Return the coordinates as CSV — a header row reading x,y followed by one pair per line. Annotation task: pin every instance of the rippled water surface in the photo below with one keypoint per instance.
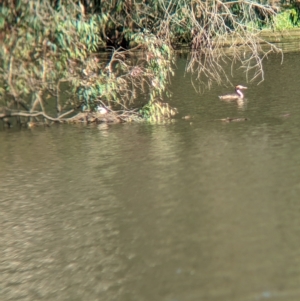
x,y
194,210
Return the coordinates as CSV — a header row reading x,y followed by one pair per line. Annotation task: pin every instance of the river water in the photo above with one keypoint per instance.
x,y
194,210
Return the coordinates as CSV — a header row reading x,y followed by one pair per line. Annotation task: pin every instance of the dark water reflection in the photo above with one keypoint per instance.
x,y
202,211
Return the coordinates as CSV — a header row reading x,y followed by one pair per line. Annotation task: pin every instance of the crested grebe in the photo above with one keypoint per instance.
x,y
235,96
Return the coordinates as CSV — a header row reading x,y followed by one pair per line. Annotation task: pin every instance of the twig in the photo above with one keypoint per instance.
x,y
23,114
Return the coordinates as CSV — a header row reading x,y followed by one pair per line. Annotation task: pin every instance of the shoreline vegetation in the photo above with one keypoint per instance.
x,y
93,61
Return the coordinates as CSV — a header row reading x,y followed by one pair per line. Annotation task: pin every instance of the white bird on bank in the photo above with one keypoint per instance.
x,y
102,110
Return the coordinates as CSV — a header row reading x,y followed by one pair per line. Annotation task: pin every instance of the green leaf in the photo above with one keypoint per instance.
x,y
2,22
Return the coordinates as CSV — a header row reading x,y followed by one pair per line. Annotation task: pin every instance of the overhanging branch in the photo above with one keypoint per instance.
x,y
37,114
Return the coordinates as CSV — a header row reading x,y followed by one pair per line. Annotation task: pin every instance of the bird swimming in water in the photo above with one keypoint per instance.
x,y
238,95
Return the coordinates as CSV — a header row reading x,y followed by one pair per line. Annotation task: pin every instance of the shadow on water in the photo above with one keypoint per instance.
x,y
195,210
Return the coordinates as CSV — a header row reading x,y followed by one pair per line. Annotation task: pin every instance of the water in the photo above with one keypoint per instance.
x,y
195,210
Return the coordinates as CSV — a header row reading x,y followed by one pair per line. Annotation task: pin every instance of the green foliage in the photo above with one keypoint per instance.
x,y
157,111
40,45
286,20
45,43
45,47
